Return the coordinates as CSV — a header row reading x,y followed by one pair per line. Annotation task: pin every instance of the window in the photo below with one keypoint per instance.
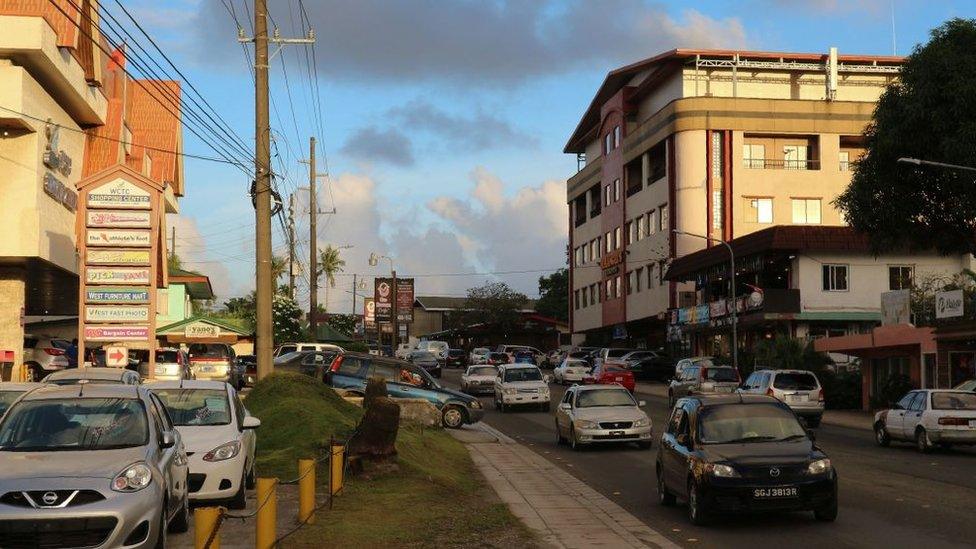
x,y
616,136
759,210
616,190
754,156
630,233
638,276
586,253
607,144
795,157
598,248
593,248
609,287
385,370
835,278
617,289
663,218
918,403
641,227
595,294
651,222
806,211
616,238
650,275
845,161
607,195
609,240
900,277
576,299
583,299
631,282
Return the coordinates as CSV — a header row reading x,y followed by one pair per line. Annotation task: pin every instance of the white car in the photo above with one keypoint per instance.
x,y
572,370
799,389
479,355
478,379
929,417
521,384
403,350
438,348
590,414
219,436
694,361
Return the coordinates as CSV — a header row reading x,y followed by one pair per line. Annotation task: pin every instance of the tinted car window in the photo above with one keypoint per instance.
x,y
604,397
795,381
918,403
455,353
167,356
947,401
721,374
689,373
675,420
523,374
74,424
287,349
196,406
7,398
728,423
349,366
209,350
906,400
384,370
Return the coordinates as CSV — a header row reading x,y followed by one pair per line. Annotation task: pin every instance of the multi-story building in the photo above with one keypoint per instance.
x,y
717,144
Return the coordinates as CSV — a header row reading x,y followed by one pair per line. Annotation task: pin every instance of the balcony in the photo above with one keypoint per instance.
x,y
764,164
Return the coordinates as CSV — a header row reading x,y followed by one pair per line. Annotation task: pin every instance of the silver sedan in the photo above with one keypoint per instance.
x,y
90,465
591,414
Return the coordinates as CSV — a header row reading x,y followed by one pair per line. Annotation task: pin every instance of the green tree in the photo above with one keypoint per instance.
x,y
928,114
279,267
330,264
343,323
494,303
173,262
285,319
554,295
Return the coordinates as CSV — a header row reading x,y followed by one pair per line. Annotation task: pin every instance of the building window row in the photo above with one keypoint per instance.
x,y
611,193
587,252
805,211
836,277
612,140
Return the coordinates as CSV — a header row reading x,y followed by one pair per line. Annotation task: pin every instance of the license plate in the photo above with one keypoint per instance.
x,y
160,370
207,368
769,493
723,389
616,433
795,398
618,379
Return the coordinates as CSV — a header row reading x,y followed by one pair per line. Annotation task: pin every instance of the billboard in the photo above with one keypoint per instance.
x,y
369,313
383,299
404,300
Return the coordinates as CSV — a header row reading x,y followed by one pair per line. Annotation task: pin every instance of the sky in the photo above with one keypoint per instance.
x,y
441,123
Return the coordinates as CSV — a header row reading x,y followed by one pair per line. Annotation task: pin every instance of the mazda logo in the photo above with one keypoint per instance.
x,y
774,472
49,498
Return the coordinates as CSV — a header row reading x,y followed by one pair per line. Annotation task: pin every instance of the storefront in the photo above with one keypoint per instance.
x,y
201,329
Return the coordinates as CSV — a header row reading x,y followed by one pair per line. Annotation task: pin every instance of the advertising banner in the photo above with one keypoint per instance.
x,y
116,313
896,307
369,313
118,257
949,304
116,275
201,330
113,237
383,299
127,219
119,194
116,333
100,294
405,300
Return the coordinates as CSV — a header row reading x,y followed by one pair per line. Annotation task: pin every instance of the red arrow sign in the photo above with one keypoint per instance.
x,y
116,356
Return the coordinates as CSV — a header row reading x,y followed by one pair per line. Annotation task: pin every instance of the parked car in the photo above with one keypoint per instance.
x,y
313,363
286,348
219,436
799,389
248,366
290,361
523,356
581,355
497,359
43,355
215,361
733,453
537,355
349,371
968,385
593,414
479,379
94,375
103,467
703,379
554,358
572,370
381,350
403,351
437,348
10,392
609,373
479,355
456,358
649,365
426,360
521,384
611,353
929,418
171,363
680,365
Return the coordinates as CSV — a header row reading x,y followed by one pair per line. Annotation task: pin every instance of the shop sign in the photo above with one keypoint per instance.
x,y
116,275
55,158
949,304
113,237
405,300
369,313
60,192
201,330
119,194
135,219
118,257
701,314
116,295
110,313
383,298
610,262
718,308
116,333
896,307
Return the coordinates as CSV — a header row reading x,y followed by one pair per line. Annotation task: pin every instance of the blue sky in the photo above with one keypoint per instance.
x,y
444,121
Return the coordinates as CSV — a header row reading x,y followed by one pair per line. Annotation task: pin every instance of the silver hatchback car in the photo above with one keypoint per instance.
x,y
90,465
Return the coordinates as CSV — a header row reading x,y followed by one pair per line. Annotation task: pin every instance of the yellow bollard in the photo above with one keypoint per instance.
x,y
336,462
267,520
204,521
306,490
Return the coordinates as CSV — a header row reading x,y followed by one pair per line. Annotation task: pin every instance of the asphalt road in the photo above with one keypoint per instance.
x,y
889,497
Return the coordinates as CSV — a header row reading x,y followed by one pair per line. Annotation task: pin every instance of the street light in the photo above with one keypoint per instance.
x,y
374,259
735,320
919,162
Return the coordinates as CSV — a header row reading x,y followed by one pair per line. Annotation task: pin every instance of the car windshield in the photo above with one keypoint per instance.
x,y
455,352
480,351
196,407
604,397
208,350
523,374
721,374
7,398
967,385
954,401
422,355
74,424
795,381
482,371
732,423
167,356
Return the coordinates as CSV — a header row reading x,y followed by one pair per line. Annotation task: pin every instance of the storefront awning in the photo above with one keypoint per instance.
x,y
881,339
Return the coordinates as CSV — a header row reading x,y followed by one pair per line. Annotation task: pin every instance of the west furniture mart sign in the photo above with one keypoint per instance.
x,y
116,295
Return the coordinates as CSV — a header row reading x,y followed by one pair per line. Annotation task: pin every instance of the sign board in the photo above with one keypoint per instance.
x,y
60,192
611,261
114,237
896,307
116,333
369,313
129,219
383,299
118,257
116,313
119,194
116,357
101,294
200,330
116,275
405,300
949,304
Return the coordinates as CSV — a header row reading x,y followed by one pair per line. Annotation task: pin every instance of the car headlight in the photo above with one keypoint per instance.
x,y
819,467
133,478
721,470
585,424
643,422
224,451
476,404
543,390
510,390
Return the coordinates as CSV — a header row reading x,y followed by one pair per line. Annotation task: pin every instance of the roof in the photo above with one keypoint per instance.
x,y
197,285
667,61
436,303
782,238
223,323
733,398
882,338
151,104
187,384
96,372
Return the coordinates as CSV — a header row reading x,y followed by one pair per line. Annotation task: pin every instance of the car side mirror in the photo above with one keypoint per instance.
x,y
251,422
565,406
641,403
168,440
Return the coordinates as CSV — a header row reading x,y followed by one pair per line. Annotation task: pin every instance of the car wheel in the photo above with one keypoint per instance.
x,y
574,442
181,522
238,500
881,435
922,441
560,439
814,422
697,513
664,497
452,417
251,481
827,513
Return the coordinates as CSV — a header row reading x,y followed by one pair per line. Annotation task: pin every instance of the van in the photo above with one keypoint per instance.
x,y
286,348
438,348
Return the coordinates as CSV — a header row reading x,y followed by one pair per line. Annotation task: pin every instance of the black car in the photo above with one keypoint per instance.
x,y
742,453
456,358
649,365
427,361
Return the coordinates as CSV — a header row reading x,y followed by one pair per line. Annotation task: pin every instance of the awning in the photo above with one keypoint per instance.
x,y
891,337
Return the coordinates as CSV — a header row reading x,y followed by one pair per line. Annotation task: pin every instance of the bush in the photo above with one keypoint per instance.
x,y
890,390
842,390
355,347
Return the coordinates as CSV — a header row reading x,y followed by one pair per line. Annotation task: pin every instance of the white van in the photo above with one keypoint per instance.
x,y
286,348
439,348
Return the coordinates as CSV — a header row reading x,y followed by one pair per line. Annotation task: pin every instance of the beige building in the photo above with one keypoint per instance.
x,y
714,143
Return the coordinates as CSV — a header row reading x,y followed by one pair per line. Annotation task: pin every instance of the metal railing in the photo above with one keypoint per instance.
x,y
769,164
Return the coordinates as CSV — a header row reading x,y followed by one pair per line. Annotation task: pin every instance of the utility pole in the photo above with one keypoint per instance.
x,y
291,246
264,284
396,321
354,294
313,263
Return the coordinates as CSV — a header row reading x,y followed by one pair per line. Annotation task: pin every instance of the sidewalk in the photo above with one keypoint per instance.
x,y
562,510
850,419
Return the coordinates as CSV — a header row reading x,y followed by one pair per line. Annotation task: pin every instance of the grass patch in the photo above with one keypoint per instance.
x,y
437,498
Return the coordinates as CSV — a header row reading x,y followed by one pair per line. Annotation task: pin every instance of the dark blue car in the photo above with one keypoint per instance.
x,y
348,373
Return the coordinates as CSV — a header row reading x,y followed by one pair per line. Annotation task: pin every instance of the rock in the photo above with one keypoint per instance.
x,y
375,437
375,387
419,411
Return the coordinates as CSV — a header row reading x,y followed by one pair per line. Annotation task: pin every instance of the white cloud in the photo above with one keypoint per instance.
x,y
208,254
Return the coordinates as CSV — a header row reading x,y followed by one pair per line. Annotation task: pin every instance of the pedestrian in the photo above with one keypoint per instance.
x,y
71,353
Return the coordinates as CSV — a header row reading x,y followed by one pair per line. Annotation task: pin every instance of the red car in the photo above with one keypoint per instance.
x,y
609,374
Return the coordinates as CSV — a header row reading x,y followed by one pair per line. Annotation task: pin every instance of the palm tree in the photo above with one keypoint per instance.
x,y
279,266
329,265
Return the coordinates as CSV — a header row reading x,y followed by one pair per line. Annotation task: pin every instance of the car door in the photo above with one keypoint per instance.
x,y
673,452
170,461
563,416
689,376
913,415
248,436
895,419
